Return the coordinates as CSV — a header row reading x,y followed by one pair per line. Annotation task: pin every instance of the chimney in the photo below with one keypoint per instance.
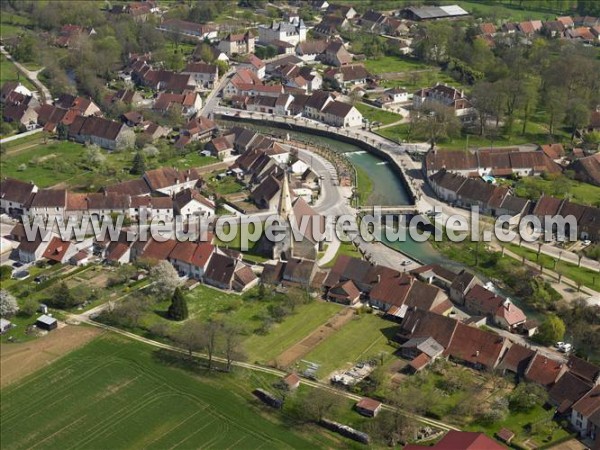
x,y
378,278
477,353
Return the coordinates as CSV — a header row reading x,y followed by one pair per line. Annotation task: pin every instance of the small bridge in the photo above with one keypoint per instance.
x,y
390,210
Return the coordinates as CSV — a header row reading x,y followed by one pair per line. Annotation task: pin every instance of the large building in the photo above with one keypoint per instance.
x,y
292,32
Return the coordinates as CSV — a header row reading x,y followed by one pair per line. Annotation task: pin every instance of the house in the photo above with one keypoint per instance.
x,y
221,147
105,133
329,26
170,181
225,272
242,80
424,324
59,251
84,106
349,75
200,128
204,75
477,348
33,250
463,440
310,50
463,282
255,64
191,205
81,258
344,292
342,10
265,194
14,195
298,272
202,32
291,381
47,203
368,407
391,97
553,28
584,370
544,371
445,95
567,391
336,54
237,44
45,322
528,28
129,97
435,274
191,258
292,32
585,416
371,20
342,115
501,311
487,28
516,360
70,35
133,188
153,131
426,349
21,110
10,87
189,103
587,169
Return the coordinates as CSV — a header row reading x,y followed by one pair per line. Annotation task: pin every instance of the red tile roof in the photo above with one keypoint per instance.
x,y
543,370
56,249
476,346
461,440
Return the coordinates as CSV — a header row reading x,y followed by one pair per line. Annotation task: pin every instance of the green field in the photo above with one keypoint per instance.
x,y
364,337
8,72
387,64
578,192
581,275
263,348
499,11
346,248
64,162
115,393
377,114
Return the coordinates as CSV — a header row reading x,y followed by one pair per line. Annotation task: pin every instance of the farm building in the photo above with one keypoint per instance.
x,y
46,322
368,407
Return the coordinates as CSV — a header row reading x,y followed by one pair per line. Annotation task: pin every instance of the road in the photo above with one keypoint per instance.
x,y
212,100
31,76
315,384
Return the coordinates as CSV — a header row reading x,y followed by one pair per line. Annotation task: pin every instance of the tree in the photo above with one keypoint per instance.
x,y
191,336
489,101
577,115
29,307
5,273
551,330
62,297
138,167
436,121
164,280
178,309
8,304
318,404
63,131
210,336
232,343
94,156
392,428
527,395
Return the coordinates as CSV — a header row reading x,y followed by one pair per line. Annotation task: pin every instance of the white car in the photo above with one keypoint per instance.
x,y
566,348
587,242
407,262
559,345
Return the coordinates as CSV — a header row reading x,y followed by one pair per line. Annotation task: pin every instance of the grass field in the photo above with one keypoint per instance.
x,y
581,275
364,337
29,159
497,10
387,64
377,114
115,393
583,193
8,72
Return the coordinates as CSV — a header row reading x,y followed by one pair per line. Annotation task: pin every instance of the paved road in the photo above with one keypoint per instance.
x,y
213,98
32,76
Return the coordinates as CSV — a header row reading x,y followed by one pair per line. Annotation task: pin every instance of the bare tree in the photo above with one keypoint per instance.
x,y
191,336
232,343
210,339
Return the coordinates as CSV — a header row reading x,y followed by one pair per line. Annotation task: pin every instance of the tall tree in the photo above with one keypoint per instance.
x,y
436,121
138,166
165,280
191,336
232,337
178,309
211,333
577,115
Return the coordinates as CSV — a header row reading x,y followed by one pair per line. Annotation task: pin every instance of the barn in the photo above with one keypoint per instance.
x,y
46,322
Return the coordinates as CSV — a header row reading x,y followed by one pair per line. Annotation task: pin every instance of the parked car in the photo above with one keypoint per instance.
x,y
566,348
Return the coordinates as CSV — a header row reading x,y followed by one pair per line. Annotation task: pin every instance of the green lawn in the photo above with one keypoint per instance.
x,y
226,186
499,11
263,348
115,393
364,185
64,161
387,64
581,275
377,114
561,186
8,72
365,337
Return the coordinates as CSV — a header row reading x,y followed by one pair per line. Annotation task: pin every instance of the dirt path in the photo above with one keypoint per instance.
x,y
19,360
303,347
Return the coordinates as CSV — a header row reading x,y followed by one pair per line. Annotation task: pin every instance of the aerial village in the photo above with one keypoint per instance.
x,y
247,118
